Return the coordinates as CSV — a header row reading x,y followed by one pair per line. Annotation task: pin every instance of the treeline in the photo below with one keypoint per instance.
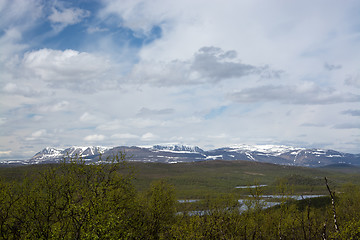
x,y
73,200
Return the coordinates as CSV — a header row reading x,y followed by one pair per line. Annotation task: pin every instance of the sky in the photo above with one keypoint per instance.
x,y
205,73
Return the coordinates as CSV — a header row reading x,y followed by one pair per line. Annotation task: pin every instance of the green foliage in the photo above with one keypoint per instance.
x,y
160,209
296,179
76,200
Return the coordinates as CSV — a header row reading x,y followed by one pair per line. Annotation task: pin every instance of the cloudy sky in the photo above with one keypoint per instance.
x,y
206,73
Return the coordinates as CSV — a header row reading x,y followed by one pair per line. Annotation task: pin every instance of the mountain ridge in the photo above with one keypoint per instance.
x,y
174,153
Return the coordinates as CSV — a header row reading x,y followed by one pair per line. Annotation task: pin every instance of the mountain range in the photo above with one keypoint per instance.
x,y
276,154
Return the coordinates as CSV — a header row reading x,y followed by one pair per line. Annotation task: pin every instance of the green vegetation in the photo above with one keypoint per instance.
x,y
117,199
210,178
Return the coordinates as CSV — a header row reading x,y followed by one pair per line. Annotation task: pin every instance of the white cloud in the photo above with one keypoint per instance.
x,y
207,65
5,153
145,112
94,138
92,30
2,120
37,134
18,17
149,137
56,107
62,17
124,136
266,55
353,81
22,13
142,122
62,65
129,123
13,88
10,44
110,126
138,15
77,71
87,117
293,94
355,113
10,87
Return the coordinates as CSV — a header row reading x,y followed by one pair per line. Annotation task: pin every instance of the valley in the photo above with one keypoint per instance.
x,y
197,180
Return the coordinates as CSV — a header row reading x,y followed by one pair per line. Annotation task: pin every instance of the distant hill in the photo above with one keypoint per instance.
x,y
277,154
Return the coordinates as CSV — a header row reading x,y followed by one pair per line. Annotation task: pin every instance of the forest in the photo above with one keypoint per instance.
x,y
107,200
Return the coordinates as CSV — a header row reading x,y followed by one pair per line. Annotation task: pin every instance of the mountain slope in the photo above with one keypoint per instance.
x,y
285,155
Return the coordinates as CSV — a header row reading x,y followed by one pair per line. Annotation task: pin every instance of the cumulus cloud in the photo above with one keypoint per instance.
x,y
10,44
139,16
5,153
77,71
62,65
124,136
111,125
94,138
16,89
87,117
215,64
54,107
21,13
293,94
149,137
208,65
18,17
37,134
162,73
62,17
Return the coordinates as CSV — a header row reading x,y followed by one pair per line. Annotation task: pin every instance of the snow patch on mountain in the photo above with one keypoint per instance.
x,y
176,148
249,156
274,150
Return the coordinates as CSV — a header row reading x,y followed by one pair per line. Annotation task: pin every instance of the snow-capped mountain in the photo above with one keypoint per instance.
x,y
50,154
161,153
173,153
285,155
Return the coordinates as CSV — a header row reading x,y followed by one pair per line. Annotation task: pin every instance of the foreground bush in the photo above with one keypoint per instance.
x,y
74,200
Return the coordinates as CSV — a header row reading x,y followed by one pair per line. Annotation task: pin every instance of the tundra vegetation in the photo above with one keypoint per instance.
x,y
114,199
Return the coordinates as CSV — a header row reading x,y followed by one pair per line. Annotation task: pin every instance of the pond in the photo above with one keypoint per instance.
x,y
253,186
246,204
